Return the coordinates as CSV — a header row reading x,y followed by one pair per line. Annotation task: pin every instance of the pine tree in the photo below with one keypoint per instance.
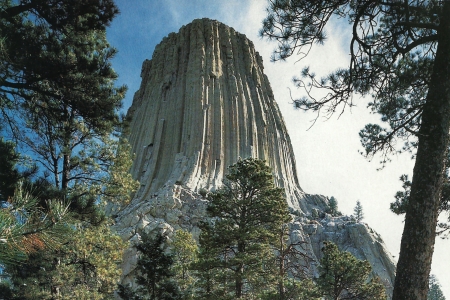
x,y
90,267
26,227
333,207
26,224
358,212
185,252
155,274
87,266
49,48
398,56
342,276
90,256
9,175
59,102
235,246
435,292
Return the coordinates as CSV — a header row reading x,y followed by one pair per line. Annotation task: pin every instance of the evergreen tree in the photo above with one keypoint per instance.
x,y
333,207
212,281
87,266
185,252
435,292
90,256
26,224
26,227
342,276
401,202
399,56
358,212
235,246
90,267
155,274
52,47
9,175
59,103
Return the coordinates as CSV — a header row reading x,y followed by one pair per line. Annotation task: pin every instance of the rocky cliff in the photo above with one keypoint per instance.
x,y
204,101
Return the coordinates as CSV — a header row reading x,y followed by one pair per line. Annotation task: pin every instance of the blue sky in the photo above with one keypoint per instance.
x,y
327,155
142,24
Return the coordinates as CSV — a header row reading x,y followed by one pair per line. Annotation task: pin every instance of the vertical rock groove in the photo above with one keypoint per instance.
x,y
204,100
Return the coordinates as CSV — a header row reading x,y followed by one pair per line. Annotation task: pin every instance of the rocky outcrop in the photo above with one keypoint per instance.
x,y
204,101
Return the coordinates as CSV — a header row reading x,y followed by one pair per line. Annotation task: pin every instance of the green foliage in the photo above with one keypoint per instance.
x,y
155,274
203,192
398,57
90,267
53,49
185,252
58,102
358,212
9,175
342,276
86,267
390,61
333,207
235,246
119,186
400,205
295,289
88,264
435,292
27,227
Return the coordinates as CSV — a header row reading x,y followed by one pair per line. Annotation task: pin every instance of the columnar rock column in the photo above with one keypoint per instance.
x,y
204,101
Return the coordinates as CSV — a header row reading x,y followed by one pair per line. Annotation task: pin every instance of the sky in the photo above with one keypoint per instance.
x,y
328,161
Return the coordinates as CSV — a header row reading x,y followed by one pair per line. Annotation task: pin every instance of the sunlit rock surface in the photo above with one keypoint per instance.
x,y
204,101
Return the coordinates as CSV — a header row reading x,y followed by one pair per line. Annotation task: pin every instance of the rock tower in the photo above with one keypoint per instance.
x,y
204,101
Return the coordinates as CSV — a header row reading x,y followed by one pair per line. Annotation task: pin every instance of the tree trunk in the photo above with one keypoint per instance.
x,y
67,150
239,284
419,233
282,266
65,172
239,273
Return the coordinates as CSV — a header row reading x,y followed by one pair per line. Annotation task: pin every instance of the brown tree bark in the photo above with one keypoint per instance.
x,y
419,233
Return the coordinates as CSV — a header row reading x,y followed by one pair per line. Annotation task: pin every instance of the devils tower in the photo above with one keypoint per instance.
x,y
204,101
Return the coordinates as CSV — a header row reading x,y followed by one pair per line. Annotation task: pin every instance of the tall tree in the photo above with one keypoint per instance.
x,y
333,207
9,174
50,47
399,54
57,85
90,264
90,255
343,276
241,231
185,251
155,273
358,212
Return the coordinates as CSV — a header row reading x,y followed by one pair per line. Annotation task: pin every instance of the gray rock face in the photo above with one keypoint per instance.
x,y
204,101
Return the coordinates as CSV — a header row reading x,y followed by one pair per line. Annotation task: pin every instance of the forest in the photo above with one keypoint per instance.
x,y
65,159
